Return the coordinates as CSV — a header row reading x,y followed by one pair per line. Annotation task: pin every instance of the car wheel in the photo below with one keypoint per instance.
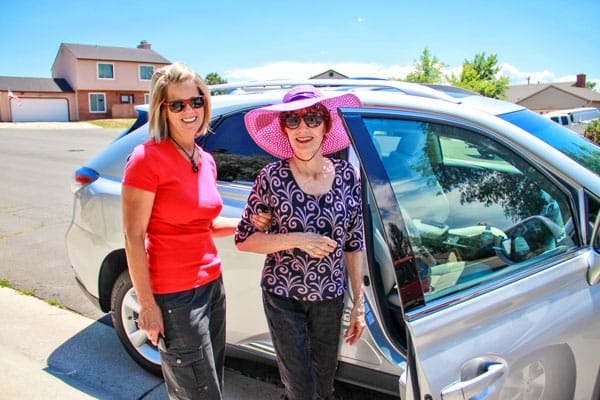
x,y
125,311
551,374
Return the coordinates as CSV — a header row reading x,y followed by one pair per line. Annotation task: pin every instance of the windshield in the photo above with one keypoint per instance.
x,y
568,142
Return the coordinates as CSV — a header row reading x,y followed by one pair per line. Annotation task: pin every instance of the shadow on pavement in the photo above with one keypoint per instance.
x,y
94,362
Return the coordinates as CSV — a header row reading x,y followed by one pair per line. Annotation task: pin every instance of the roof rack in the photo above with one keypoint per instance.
x,y
409,88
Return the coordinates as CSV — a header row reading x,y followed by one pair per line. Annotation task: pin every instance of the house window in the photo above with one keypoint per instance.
x,y
126,98
106,71
97,103
146,98
146,72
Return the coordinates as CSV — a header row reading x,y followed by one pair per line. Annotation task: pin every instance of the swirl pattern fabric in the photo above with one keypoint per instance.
x,y
337,214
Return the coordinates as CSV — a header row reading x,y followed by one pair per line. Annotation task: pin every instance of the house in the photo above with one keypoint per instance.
x,y
554,96
35,99
329,74
88,82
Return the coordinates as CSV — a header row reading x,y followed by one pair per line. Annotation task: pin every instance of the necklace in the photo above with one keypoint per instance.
x,y
191,157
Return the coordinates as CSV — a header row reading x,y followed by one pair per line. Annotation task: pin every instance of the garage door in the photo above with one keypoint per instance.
x,y
30,110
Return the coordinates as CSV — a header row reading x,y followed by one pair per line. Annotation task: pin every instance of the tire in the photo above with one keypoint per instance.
x,y
125,309
551,375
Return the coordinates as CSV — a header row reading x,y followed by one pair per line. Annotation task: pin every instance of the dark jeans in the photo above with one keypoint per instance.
x,y
192,353
306,335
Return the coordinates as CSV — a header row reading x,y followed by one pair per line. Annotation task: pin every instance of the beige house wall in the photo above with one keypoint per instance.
x,y
553,99
126,77
4,107
65,66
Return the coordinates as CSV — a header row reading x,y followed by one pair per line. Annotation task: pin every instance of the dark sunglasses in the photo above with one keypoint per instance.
x,y
312,120
178,105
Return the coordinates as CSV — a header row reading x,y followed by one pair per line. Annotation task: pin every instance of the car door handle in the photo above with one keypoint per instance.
x,y
468,389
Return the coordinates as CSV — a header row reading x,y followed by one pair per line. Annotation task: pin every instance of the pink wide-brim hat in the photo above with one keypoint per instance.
x,y
264,127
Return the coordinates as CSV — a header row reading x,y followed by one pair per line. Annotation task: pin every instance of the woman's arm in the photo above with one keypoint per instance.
x,y
224,226
137,207
314,244
354,264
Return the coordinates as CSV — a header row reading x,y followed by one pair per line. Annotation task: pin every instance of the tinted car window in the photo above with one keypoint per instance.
x,y
237,156
474,210
570,143
593,213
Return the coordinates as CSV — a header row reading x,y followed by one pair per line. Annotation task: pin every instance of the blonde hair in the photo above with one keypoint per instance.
x,y
161,79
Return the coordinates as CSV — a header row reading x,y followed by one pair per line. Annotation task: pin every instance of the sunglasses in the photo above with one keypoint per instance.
x,y
312,120
178,105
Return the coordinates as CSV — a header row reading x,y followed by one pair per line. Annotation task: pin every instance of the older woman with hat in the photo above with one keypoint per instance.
x,y
314,242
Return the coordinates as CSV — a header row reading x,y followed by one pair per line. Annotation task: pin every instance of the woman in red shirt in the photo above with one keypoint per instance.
x,y
170,214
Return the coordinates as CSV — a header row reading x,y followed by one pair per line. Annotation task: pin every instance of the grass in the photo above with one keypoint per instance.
x,y
113,123
27,292
4,283
56,303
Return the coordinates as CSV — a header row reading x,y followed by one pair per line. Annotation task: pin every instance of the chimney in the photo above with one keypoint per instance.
x,y
144,44
580,81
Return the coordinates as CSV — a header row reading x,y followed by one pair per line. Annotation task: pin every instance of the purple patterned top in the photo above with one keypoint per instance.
x,y
336,214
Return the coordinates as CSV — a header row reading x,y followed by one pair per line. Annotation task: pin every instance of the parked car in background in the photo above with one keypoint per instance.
x,y
483,244
576,119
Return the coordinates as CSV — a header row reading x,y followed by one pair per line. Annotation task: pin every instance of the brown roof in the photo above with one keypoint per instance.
x,y
519,93
93,52
18,84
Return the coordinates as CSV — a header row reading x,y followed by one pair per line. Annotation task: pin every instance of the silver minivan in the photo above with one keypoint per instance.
x,y
482,227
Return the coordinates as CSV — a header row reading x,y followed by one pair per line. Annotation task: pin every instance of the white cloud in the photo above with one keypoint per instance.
x,y
518,77
298,70
360,20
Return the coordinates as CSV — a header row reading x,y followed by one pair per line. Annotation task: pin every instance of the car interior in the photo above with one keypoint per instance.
x,y
474,211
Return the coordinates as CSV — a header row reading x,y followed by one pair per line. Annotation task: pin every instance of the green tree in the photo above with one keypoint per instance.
x,y
214,79
480,76
592,132
428,69
590,85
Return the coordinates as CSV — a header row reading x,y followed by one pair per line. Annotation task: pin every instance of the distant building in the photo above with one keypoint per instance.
x,y
554,96
329,74
88,82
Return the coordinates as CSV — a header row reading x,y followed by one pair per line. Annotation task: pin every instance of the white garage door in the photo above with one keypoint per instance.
x,y
47,110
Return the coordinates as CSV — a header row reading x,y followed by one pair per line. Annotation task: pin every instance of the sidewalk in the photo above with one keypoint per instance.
x,y
49,353
49,125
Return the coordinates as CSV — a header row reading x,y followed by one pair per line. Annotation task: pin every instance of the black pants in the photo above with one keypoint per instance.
x,y
306,336
192,354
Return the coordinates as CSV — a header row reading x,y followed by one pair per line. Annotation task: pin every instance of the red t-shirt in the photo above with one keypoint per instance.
x,y
181,252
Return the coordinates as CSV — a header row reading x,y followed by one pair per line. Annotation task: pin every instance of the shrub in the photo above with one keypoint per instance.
x,y
592,132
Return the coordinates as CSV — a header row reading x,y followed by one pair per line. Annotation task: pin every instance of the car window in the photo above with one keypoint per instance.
x,y
474,210
237,156
593,213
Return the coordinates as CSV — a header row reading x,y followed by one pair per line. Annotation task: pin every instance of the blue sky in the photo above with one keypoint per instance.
x,y
546,41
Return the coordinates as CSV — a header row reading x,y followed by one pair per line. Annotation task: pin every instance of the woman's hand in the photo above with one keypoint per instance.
x,y
316,245
150,321
357,324
262,222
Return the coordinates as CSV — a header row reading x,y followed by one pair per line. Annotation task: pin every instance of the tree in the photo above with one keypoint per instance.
x,y
590,85
214,79
592,132
480,75
428,69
